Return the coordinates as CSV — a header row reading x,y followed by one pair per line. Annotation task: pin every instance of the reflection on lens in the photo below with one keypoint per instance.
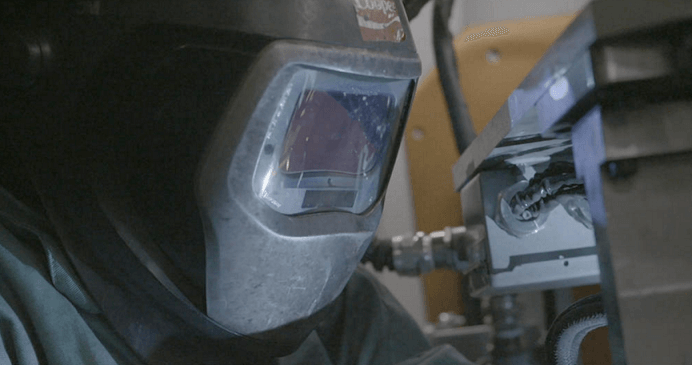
x,y
329,143
336,132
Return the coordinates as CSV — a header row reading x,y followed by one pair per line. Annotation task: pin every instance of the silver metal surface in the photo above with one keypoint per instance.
x,y
519,116
420,253
413,255
471,341
535,114
561,254
612,95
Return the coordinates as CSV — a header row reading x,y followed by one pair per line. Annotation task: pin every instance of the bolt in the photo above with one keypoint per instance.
x,y
417,134
617,170
493,56
613,169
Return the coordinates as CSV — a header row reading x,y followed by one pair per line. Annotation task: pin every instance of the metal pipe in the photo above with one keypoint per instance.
x,y
420,253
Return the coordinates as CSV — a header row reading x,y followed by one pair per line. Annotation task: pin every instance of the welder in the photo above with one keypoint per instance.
x,y
190,182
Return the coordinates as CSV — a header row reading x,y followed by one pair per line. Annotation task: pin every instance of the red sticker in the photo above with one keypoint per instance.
x,y
379,20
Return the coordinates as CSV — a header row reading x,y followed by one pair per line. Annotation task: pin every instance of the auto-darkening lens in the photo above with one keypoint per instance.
x,y
328,145
336,132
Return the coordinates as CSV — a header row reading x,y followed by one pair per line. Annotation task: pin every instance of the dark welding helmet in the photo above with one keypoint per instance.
x,y
231,157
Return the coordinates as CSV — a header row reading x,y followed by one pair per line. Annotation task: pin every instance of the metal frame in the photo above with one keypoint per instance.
x,y
617,90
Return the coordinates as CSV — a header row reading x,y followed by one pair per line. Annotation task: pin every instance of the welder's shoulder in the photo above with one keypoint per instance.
x,y
372,327
15,343
38,324
406,335
441,355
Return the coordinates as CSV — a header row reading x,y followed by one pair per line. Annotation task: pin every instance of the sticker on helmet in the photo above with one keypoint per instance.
x,y
379,20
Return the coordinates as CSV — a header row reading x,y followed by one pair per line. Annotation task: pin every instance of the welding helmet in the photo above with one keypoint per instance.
x,y
227,160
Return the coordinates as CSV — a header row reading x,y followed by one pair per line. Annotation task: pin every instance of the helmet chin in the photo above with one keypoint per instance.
x,y
258,280
287,339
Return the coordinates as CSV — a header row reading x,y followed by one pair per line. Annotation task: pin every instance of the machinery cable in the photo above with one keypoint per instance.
x,y
571,327
462,125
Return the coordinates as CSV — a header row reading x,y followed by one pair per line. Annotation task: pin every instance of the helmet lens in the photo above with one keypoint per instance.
x,y
328,146
336,132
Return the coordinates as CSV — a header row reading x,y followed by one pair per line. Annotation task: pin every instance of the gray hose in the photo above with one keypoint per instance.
x,y
570,340
571,327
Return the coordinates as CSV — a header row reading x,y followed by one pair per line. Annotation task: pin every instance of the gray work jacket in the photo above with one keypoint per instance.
x,y
46,316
